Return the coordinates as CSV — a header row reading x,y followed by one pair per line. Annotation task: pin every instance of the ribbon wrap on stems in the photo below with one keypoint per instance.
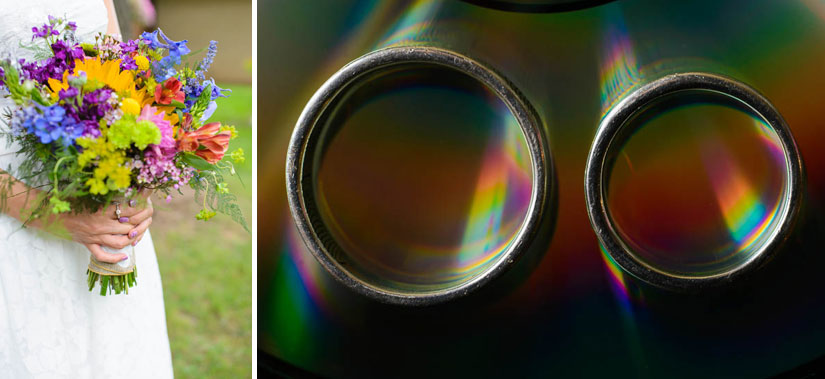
x,y
113,277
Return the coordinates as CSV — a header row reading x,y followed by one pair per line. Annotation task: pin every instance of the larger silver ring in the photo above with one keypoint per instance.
x,y
612,133
300,180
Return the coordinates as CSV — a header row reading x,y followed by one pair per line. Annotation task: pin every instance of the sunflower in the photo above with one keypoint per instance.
x,y
108,73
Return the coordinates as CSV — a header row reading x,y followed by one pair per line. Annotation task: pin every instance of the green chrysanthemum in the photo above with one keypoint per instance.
x,y
128,131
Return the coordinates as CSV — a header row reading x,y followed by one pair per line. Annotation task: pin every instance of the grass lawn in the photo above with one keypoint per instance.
x,y
207,267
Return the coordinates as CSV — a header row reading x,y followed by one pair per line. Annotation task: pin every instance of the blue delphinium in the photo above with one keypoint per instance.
x,y
193,91
49,124
164,68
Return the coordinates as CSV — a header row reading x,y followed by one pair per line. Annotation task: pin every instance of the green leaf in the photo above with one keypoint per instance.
x,y
197,162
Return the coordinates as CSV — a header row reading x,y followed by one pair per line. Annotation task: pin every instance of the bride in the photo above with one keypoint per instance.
x,y
51,326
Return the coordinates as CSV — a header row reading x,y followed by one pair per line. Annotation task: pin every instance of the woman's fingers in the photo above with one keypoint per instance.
x,y
103,256
114,227
115,241
141,216
137,233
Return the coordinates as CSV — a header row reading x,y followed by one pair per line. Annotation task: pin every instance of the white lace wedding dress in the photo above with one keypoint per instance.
x,y
51,326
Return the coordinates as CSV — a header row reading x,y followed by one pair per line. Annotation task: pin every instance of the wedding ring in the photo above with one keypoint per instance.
x,y
117,210
311,130
763,235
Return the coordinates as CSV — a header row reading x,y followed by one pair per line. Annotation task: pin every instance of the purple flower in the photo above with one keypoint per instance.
x,y
91,128
71,26
128,63
95,105
68,93
129,46
63,51
44,31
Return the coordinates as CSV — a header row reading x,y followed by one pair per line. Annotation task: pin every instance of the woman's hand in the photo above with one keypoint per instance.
x,y
103,228
137,212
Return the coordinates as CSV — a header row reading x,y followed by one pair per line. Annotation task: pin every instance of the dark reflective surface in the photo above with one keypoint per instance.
x,y
574,314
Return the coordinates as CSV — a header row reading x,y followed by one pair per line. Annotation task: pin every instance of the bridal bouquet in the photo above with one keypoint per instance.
x,y
103,122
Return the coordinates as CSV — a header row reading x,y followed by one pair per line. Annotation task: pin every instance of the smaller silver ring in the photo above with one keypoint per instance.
x,y
611,133
300,177
117,210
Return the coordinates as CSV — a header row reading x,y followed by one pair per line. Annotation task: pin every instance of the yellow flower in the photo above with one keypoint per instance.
x,y
130,106
110,173
121,177
97,187
108,73
142,62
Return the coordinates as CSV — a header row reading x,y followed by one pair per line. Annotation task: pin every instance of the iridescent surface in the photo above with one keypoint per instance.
x,y
697,187
576,314
427,180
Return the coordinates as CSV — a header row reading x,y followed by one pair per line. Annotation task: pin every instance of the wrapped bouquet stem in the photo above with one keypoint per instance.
x,y
104,120
113,277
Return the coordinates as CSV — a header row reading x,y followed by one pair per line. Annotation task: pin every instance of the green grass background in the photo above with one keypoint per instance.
x,y
207,267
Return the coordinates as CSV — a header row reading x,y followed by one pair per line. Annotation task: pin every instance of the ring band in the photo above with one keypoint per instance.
x,y
300,179
117,210
612,134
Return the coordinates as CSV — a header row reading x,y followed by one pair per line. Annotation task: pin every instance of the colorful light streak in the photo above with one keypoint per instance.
x,y
744,211
414,25
292,313
620,71
502,171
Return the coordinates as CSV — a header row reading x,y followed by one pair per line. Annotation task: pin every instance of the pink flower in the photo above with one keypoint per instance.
x,y
166,149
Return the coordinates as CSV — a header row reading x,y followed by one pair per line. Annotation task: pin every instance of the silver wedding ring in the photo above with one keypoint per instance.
x,y
302,157
117,210
613,133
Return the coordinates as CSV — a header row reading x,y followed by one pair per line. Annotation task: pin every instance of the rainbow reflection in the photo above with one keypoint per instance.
x,y
503,167
616,275
291,309
620,71
744,212
414,25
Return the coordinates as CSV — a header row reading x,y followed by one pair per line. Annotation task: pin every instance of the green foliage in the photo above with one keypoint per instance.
x,y
88,49
208,188
201,104
237,155
21,93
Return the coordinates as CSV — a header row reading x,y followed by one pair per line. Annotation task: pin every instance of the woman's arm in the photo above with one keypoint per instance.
x,y
114,26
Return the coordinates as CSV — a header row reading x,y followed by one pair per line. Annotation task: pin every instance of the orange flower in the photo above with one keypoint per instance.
x,y
208,142
168,91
